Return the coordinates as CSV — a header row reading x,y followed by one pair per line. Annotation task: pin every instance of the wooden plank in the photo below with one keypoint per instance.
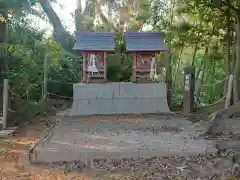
x,y
143,70
105,65
144,81
85,56
134,65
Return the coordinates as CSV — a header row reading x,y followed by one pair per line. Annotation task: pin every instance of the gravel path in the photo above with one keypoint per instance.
x,y
110,129
177,167
163,135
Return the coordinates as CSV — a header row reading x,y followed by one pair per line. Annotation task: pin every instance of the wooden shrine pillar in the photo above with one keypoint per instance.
x,y
84,69
134,68
189,88
105,66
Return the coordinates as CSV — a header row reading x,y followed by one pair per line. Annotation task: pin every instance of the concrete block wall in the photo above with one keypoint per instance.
x,y
119,98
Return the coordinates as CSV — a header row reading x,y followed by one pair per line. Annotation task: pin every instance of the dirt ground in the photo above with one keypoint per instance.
x,y
23,139
18,144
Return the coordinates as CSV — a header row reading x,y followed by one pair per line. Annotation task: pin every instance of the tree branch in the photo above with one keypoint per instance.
x,y
230,6
220,5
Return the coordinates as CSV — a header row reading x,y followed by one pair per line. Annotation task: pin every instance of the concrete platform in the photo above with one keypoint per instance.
x,y
119,98
83,139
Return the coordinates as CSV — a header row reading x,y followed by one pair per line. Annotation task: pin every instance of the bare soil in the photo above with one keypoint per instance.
x,y
26,136
14,146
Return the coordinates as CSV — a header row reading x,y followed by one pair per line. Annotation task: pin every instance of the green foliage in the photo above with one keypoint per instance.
x,y
190,27
33,2
32,109
194,25
119,64
177,99
27,48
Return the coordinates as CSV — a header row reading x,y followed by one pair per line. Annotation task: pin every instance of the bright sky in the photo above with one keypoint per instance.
x,y
65,10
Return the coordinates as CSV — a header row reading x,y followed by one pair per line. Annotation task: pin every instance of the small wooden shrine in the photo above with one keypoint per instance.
x,y
95,46
144,46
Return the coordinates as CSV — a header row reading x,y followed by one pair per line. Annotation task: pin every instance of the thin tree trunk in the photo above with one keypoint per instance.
x,y
228,52
229,92
194,54
212,91
198,90
169,66
199,69
234,49
177,67
202,62
228,42
237,65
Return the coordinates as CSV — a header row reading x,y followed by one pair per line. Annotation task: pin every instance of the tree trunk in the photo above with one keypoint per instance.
x,y
60,33
233,59
228,40
199,69
212,90
169,64
198,90
234,49
177,67
228,57
229,92
80,26
237,65
194,54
